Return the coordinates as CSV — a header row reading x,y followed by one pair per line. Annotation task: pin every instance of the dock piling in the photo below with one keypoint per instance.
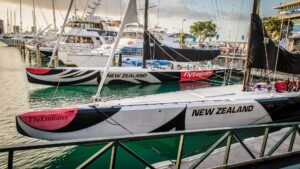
x,y
38,56
29,55
120,59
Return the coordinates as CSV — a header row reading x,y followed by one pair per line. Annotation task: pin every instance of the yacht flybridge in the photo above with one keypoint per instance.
x,y
192,109
84,36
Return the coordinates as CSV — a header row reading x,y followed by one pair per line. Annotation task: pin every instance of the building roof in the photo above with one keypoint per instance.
x,y
288,4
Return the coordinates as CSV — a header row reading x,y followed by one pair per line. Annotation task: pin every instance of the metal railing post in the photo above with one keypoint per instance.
x,y
293,139
124,147
243,144
280,142
227,152
96,155
264,143
113,156
180,150
10,159
210,150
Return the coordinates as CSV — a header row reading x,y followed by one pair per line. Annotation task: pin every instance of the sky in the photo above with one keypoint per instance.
x,y
231,16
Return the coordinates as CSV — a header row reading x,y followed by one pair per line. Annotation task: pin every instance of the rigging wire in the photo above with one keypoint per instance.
x,y
266,51
216,16
158,13
221,24
43,14
85,8
59,9
209,14
278,48
239,21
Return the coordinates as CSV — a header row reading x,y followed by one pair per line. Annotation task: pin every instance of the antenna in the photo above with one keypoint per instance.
x,y
34,18
21,16
94,9
11,21
54,17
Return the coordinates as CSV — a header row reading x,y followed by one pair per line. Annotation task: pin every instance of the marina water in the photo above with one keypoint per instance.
x,y
17,96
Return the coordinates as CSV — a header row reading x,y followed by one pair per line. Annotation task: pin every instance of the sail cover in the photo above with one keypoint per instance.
x,y
156,50
263,52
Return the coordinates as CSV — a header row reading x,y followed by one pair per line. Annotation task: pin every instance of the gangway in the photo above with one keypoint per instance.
x,y
231,137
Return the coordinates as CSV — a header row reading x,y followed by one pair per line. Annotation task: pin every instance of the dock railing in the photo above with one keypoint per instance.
x,y
113,143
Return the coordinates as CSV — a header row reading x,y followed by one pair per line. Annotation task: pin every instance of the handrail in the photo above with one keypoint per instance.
x,y
132,137
116,142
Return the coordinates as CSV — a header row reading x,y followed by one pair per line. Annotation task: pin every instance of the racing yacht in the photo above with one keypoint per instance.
x,y
211,107
163,63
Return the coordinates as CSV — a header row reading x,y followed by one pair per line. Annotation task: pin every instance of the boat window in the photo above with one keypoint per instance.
x,y
133,35
97,25
84,40
78,39
100,27
87,40
70,39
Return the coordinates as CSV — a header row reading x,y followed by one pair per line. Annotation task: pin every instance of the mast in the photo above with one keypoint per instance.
x,y
255,10
34,17
146,38
11,22
15,19
21,16
60,35
7,21
129,16
54,17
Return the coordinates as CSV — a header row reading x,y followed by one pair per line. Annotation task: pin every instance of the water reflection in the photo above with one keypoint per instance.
x,y
71,95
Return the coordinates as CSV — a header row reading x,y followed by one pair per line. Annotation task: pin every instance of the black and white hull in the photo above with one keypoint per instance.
x,y
118,75
195,109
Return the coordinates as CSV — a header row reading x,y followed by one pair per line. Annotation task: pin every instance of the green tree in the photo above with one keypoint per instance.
x,y
203,30
273,27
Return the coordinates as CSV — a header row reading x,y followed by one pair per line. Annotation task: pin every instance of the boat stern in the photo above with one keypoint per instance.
x,y
45,120
66,123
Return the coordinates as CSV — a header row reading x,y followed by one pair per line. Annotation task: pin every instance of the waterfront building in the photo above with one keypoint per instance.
x,y
290,12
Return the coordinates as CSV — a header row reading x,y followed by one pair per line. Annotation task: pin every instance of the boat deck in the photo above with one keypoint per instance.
x,y
223,93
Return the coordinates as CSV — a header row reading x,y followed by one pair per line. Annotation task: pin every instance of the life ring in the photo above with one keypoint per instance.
x,y
130,42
